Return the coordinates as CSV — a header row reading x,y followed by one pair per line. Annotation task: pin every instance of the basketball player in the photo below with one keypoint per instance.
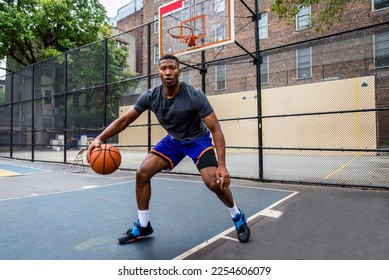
x,y
187,116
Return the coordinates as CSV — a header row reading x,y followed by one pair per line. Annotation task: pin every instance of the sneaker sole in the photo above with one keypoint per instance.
x,y
133,240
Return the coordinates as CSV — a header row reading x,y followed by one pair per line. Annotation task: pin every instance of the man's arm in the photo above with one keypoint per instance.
x,y
114,128
213,125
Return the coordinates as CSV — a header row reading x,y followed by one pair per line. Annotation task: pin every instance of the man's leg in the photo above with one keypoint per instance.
x,y
210,179
150,166
208,174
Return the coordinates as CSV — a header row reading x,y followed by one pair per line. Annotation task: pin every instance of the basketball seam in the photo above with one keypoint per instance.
x,y
113,159
93,163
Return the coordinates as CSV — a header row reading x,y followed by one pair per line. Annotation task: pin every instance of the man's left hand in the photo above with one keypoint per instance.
x,y
223,177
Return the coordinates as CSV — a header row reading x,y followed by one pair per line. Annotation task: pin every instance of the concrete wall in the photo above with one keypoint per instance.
x,y
348,130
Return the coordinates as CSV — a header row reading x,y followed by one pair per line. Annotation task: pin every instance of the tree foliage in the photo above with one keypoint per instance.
x,y
2,95
32,30
86,70
331,11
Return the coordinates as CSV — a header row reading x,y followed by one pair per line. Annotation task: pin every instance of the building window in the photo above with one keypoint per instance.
x,y
265,70
303,18
185,76
220,32
380,4
304,63
156,24
185,11
220,73
48,98
220,6
156,53
263,26
381,49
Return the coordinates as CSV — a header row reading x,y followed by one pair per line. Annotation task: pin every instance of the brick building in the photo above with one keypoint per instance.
x,y
275,34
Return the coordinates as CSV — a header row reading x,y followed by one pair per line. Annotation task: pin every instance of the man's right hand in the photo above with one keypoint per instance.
x,y
95,144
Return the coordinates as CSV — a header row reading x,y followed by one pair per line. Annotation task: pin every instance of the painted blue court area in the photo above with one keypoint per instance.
x,y
85,223
12,170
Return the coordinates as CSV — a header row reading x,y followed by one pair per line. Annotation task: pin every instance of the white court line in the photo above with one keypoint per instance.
x,y
272,213
235,186
228,231
90,187
99,176
94,174
230,238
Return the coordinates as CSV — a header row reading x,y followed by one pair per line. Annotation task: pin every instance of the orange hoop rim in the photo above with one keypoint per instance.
x,y
183,37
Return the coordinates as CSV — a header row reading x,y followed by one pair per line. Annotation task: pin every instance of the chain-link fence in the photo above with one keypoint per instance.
x,y
319,114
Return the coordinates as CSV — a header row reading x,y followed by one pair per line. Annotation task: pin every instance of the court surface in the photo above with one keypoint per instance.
x,y
46,213
15,170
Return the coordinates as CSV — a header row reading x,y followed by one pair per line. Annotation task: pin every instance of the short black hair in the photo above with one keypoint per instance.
x,y
168,56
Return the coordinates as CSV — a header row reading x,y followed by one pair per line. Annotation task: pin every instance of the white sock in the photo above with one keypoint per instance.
x,y
144,217
234,210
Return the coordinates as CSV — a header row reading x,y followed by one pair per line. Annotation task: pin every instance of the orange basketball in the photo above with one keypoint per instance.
x,y
105,160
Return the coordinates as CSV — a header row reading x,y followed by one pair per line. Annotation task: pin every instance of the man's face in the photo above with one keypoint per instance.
x,y
169,72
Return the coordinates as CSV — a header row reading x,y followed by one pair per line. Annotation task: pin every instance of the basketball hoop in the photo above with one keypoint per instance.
x,y
184,33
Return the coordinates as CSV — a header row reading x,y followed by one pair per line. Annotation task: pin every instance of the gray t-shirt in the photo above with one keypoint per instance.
x,y
180,116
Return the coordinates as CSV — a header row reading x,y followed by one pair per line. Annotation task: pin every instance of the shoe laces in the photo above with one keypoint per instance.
x,y
136,225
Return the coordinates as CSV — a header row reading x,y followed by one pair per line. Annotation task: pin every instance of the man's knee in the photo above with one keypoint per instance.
x,y
213,186
151,165
210,180
144,173
140,173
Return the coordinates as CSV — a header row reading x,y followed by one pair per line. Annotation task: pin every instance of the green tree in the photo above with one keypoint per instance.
x,y
330,11
32,30
86,70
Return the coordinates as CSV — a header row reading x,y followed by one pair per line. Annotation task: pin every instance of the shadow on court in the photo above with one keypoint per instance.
x,y
48,214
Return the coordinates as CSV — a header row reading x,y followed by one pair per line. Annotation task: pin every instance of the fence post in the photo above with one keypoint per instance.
x,y
148,84
12,117
66,103
259,97
33,114
105,79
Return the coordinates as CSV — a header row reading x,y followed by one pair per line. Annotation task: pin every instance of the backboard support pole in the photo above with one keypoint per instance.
x,y
202,70
255,61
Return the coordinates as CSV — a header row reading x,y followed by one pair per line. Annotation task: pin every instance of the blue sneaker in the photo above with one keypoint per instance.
x,y
134,233
242,229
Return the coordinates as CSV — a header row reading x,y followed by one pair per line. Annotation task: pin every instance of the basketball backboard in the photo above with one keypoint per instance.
x,y
187,26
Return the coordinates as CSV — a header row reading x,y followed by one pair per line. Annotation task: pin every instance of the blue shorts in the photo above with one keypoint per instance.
x,y
199,150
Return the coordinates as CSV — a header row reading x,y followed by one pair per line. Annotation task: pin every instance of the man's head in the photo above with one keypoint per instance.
x,y
169,70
